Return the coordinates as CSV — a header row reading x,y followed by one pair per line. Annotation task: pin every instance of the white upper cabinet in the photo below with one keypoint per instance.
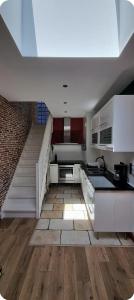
x,y
95,128
123,123
106,116
116,125
95,122
106,123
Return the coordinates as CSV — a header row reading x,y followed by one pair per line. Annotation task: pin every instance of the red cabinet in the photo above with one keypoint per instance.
x,y
58,131
77,130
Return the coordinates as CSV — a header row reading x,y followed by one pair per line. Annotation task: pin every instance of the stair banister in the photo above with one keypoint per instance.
x,y
42,167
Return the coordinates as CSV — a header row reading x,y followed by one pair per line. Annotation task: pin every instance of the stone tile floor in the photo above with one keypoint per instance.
x,y
65,221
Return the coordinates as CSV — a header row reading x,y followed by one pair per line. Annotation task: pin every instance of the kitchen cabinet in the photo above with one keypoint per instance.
x,y
115,125
54,173
106,124
106,116
58,130
77,130
109,211
76,173
88,194
95,123
124,212
95,129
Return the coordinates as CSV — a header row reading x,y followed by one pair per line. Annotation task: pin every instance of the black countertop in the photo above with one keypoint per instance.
x,y
108,175
68,162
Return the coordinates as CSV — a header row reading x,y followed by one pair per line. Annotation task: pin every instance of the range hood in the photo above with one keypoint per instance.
x,y
67,130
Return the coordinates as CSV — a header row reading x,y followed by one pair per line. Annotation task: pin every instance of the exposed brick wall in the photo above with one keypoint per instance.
x,y
15,122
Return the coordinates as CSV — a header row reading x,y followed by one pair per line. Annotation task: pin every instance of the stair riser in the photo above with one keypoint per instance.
x,y
27,162
23,181
30,155
26,172
33,148
22,192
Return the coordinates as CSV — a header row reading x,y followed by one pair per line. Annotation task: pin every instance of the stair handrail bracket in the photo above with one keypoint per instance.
x,y
42,167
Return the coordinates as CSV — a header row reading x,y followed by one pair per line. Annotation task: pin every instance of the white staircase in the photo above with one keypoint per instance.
x,y
21,197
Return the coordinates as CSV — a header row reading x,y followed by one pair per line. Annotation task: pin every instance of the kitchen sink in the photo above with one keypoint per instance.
x,y
101,182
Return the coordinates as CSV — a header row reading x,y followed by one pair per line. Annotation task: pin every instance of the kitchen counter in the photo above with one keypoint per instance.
x,y
109,176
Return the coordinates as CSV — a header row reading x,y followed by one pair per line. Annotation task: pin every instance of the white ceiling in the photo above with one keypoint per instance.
x,y
33,79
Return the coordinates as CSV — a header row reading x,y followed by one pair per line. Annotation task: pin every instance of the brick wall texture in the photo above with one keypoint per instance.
x,y
15,122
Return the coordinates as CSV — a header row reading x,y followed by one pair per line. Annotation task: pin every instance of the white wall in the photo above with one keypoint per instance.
x,y
126,22
68,152
29,45
114,158
11,12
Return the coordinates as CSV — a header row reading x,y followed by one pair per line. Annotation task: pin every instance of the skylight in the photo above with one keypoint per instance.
x,y
131,1
49,28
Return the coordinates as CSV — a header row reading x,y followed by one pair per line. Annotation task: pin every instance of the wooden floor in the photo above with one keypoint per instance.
x,y
57,273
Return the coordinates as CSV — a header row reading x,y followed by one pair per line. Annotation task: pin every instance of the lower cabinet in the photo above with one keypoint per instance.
x,y
109,211
54,173
76,173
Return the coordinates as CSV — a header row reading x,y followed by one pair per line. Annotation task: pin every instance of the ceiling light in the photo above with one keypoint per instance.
x,y
65,86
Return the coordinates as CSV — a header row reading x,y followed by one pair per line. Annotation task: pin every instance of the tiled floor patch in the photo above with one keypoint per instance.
x,y
42,224
82,225
45,237
55,214
65,221
59,224
75,237
47,206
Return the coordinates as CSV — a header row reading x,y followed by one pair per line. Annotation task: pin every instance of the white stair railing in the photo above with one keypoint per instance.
x,y
42,167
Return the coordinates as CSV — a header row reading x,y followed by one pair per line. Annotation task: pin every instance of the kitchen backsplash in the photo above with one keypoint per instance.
x,y
112,158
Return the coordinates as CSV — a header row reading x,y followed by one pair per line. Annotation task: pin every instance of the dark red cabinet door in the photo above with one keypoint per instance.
x,y
58,131
76,133
77,130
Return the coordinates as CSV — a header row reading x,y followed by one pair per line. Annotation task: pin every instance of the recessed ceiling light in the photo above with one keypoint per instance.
x,y
65,102
65,86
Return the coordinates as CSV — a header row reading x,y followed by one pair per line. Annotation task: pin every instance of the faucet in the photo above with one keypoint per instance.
x,y
104,165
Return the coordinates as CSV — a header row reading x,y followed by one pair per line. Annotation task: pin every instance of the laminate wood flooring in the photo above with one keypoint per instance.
x,y
61,273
